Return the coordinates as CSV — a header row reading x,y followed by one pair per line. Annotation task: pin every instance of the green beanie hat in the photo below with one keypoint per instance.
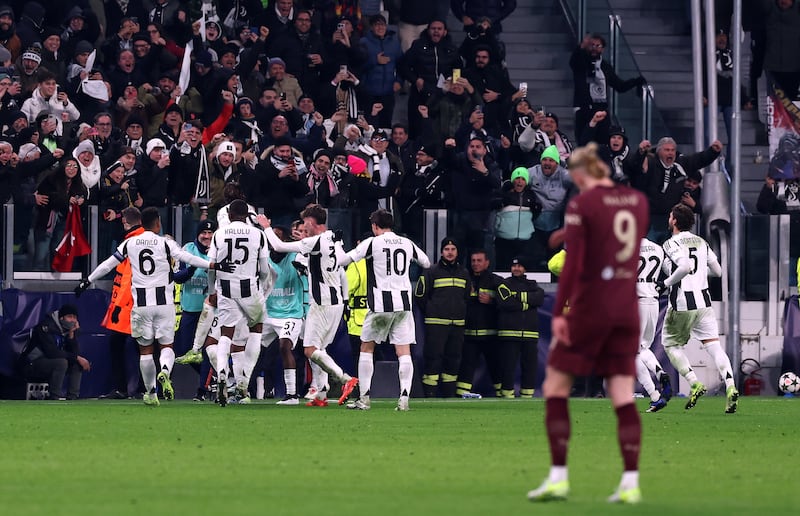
x,y
552,153
520,172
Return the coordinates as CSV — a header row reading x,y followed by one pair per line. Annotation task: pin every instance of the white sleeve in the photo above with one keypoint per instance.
x,y
287,247
186,257
359,253
420,257
527,139
679,256
345,289
714,268
105,267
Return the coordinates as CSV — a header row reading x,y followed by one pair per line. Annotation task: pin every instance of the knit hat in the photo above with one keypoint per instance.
x,y
51,31
16,115
206,225
33,53
155,143
4,75
83,47
134,120
616,130
244,100
357,165
277,60
204,58
67,309
169,74
84,146
5,55
5,10
141,36
553,116
518,260
520,172
113,167
448,241
27,149
323,152
428,149
173,107
380,135
227,147
552,153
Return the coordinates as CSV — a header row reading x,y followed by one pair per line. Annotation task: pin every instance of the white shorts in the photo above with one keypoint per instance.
x,y
321,325
230,311
700,324
281,329
153,322
648,321
240,331
396,327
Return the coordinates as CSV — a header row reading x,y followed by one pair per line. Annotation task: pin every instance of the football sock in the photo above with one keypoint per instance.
x,y
251,351
325,361
315,375
211,353
556,420
405,371
290,379
365,370
557,474
238,359
630,480
147,366
203,327
629,432
721,361
681,363
167,360
651,362
643,375
223,350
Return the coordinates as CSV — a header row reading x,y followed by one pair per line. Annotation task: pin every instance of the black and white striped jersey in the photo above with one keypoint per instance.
x,y
324,257
246,247
151,258
651,260
388,258
691,292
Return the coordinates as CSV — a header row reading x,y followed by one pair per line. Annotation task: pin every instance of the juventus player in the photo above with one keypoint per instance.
x,y
689,262
389,295
651,260
153,314
239,295
325,285
604,227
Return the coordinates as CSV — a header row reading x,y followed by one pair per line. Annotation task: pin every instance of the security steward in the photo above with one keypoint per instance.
x,y
442,292
480,331
518,300
357,302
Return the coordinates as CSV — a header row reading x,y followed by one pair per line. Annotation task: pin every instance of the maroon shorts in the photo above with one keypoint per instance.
x,y
597,348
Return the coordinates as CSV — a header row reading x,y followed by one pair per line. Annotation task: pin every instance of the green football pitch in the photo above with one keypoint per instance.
x,y
446,457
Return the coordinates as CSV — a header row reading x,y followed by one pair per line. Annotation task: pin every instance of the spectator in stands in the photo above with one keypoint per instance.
x,y
55,194
769,203
281,187
431,56
134,136
423,187
416,15
323,182
514,222
616,153
344,47
89,163
693,192
475,126
53,58
244,124
383,52
122,40
279,130
449,107
16,121
474,181
482,35
79,25
28,64
662,177
47,97
403,147
8,35
549,134
105,140
223,170
53,351
30,25
132,103
523,123
592,77
277,19
126,72
492,83
782,22
385,172
8,163
152,179
282,82
471,11
302,50
553,187
188,173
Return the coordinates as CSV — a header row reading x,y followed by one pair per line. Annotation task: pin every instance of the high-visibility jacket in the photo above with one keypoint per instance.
x,y
443,291
482,318
357,288
518,300
118,315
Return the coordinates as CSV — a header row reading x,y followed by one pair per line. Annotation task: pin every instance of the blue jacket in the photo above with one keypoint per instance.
x,y
379,79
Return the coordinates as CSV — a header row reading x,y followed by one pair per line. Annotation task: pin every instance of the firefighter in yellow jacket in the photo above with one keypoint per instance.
x,y
442,292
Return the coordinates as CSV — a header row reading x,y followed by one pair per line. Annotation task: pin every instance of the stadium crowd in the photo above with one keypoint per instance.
x,y
296,103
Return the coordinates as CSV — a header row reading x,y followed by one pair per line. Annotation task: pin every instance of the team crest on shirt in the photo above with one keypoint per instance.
x,y
572,219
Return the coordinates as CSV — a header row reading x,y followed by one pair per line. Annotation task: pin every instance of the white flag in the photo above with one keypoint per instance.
x,y
186,68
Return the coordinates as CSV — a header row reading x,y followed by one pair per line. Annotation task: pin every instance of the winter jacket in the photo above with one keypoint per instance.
x,y
379,79
448,111
280,193
515,219
552,193
783,41
54,186
427,61
471,190
442,292
38,104
518,300
48,340
294,51
495,10
482,318
664,187
152,182
582,66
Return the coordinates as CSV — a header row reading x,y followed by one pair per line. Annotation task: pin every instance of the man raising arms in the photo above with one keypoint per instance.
x,y
604,226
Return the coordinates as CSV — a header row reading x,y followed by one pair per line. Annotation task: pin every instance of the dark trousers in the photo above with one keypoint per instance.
x,y
525,353
54,370
117,343
442,355
470,355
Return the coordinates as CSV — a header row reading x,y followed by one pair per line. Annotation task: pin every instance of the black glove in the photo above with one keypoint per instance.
x,y
81,288
301,269
661,288
347,312
115,314
337,235
225,266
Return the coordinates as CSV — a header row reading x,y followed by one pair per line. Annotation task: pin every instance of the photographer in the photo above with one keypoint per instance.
x,y
53,351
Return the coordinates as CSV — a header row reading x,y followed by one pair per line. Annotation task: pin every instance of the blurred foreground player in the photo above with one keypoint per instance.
x,y
604,226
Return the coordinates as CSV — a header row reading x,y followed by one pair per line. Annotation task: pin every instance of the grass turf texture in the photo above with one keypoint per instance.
x,y
446,457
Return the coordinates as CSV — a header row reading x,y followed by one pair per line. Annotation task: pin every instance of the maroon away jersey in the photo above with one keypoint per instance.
x,y
604,227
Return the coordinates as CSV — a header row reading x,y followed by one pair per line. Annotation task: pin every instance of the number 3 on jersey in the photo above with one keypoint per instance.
x,y
625,232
